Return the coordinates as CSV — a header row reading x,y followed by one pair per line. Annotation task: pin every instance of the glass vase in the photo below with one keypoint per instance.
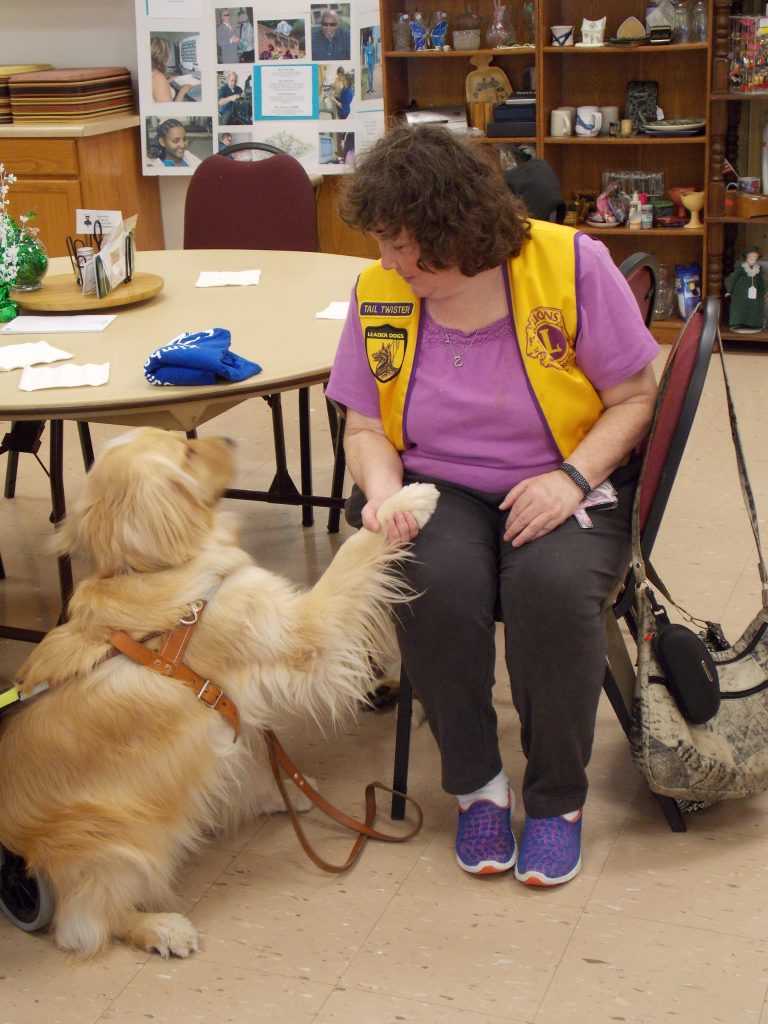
x,y
8,308
500,31
32,263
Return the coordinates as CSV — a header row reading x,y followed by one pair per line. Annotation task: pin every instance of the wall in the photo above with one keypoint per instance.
x,y
102,33
84,33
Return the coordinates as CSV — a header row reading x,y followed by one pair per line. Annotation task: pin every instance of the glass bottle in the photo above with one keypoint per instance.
x,y
438,27
666,299
699,22
529,19
500,31
401,32
681,22
419,32
466,29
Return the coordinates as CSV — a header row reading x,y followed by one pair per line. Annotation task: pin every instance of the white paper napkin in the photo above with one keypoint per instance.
x,y
71,375
85,324
334,311
218,278
29,353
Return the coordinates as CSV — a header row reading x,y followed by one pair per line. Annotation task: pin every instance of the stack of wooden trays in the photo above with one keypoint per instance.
x,y
70,94
6,70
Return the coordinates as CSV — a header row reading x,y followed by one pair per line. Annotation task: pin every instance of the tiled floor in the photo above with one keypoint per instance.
x,y
657,926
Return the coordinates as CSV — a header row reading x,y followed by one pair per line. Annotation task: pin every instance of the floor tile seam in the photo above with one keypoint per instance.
x,y
102,1017
591,912
427,1001
203,956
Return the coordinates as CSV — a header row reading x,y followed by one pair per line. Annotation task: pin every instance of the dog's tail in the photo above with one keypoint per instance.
x,y
349,610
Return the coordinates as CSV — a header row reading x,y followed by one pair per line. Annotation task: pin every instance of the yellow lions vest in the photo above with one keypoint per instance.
x,y
542,285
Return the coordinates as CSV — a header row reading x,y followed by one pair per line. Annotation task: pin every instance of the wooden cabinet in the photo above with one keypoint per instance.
x,y
732,115
64,167
578,75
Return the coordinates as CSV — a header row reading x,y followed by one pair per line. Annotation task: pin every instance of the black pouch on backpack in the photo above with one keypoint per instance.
x,y
689,671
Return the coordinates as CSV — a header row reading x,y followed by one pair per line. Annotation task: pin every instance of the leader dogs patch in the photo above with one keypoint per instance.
x,y
547,339
385,347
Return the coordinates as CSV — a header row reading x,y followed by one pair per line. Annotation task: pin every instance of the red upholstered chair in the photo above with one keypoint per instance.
x,y
266,203
687,366
642,274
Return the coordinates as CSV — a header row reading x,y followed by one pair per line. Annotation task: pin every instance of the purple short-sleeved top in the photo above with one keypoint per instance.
x,y
477,424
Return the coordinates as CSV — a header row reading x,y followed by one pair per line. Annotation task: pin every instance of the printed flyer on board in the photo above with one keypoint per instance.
x,y
306,79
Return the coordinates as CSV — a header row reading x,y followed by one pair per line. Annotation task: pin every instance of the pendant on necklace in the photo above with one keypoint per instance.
x,y
457,360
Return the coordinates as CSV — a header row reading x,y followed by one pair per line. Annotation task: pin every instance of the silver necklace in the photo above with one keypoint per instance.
x,y
458,357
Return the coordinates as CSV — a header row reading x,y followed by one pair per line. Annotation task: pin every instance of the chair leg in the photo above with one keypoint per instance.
x,y
86,445
402,747
24,436
305,450
338,425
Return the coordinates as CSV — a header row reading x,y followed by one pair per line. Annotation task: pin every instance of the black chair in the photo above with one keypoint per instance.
x,y
687,364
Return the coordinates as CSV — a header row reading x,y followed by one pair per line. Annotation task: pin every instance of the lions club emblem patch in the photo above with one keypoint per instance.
x,y
385,347
547,338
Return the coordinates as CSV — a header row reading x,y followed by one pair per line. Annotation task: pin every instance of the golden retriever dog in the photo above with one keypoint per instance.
x,y
114,773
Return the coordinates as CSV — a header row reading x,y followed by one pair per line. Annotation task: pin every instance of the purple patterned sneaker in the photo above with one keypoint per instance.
x,y
484,841
550,851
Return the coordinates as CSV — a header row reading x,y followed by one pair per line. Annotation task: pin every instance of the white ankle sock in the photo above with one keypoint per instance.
x,y
497,790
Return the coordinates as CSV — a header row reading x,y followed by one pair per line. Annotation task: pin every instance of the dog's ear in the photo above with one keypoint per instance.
x,y
139,511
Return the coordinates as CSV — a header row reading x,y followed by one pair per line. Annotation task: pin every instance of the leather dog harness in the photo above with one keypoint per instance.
x,y
168,662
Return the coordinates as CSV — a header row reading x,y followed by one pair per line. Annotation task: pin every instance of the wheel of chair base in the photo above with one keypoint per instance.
x,y
26,901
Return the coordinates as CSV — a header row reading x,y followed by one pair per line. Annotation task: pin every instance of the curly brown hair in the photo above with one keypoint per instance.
x,y
449,197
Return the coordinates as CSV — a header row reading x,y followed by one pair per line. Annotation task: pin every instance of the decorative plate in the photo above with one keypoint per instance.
x,y
603,223
631,28
675,124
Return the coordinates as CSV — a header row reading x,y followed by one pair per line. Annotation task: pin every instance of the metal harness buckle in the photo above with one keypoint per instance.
x,y
194,609
201,694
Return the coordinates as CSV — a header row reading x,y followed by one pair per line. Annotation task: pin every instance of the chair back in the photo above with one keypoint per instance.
x,y
685,372
242,204
641,272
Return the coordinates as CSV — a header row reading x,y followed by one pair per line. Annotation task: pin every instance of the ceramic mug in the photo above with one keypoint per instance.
x,y
589,121
610,116
562,35
751,185
560,123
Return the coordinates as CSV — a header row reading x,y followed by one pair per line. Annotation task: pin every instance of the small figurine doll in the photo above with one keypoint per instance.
x,y
746,287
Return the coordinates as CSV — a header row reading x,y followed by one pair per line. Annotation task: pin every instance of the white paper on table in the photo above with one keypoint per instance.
x,y
71,375
12,357
334,311
85,324
218,278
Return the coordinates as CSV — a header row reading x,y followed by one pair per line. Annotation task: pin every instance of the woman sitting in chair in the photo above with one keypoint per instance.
x,y
506,361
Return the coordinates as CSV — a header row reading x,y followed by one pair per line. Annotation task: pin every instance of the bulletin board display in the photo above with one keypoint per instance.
x,y
303,77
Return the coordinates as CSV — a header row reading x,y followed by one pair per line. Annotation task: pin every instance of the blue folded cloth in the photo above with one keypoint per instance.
x,y
198,357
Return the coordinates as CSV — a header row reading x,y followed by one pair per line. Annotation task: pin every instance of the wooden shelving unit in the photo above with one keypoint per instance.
x,y
728,112
573,76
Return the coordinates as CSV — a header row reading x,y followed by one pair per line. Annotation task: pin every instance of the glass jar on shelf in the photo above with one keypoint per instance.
x,y
681,22
466,29
699,22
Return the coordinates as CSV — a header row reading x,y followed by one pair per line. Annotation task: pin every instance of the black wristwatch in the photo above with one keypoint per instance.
x,y
573,474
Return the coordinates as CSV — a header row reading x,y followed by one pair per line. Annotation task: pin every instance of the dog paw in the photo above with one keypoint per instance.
x,y
168,935
418,499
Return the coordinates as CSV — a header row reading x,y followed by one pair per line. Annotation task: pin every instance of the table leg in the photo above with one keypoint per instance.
x,y
305,448
58,506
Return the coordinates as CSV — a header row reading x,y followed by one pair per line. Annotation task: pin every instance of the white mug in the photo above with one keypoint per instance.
x,y
589,121
610,116
560,123
562,35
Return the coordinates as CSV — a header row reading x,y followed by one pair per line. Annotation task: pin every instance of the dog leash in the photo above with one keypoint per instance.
x,y
278,759
168,662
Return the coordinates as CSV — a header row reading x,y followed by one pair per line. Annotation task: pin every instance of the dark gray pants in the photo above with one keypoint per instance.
x,y
550,595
